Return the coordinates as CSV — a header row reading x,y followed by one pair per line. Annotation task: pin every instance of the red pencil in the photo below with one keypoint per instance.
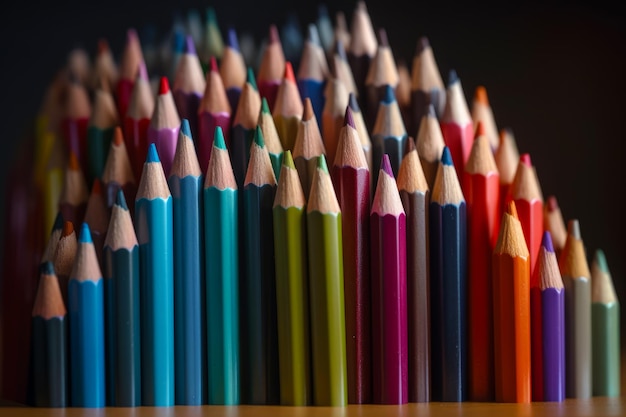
x,y
271,68
481,189
164,125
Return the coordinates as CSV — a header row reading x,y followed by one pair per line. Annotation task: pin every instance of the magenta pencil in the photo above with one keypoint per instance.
x,y
189,85
389,308
164,126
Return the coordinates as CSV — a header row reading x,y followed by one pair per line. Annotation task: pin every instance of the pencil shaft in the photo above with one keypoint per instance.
x,y
553,335
207,122
531,216
314,90
75,134
187,104
233,94
420,100
606,349
50,362
98,144
136,140
240,143
578,333
394,146
459,139
165,140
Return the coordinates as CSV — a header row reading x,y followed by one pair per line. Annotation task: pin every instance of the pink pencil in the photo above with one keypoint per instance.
x,y
164,126
389,297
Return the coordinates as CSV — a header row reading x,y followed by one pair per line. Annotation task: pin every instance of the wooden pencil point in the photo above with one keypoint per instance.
x,y
480,95
68,229
307,112
164,86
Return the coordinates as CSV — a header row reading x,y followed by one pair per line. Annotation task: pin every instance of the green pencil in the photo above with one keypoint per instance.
x,y
272,140
102,123
292,291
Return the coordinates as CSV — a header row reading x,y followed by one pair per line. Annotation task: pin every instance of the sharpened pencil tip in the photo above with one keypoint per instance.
x,y
185,129
47,268
446,156
218,139
480,95
348,119
121,200
68,228
307,111
153,155
546,241
258,137
313,35
552,203
601,261
573,228
382,38
480,129
389,96
179,42
452,77
385,165
340,50
289,72
118,136
164,86
250,79
190,47
525,159
73,163
273,34
85,234
265,107
231,39
211,18
96,187
430,111
511,209
288,159
321,163
422,43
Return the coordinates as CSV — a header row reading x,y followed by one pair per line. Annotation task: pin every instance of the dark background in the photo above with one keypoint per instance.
x,y
554,74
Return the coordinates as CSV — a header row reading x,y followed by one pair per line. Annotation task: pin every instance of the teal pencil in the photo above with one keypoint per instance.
x,y
86,317
185,182
102,123
153,223
222,274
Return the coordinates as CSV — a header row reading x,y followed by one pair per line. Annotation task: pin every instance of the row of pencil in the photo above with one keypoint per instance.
x,y
283,246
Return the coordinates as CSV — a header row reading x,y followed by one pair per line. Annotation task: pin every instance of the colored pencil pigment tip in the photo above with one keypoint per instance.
x,y
307,111
164,86
385,165
525,159
131,35
213,64
118,136
552,203
422,43
258,137
47,268
389,96
480,129
265,107
340,50
353,103
190,47
288,159
601,261
430,111
218,139
573,228
446,156
153,155
313,35
72,163
480,95
250,79
58,222
452,77
273,34
85,234
511,209
321,164
546,242
121,200
103,46
231,39
96,187
410,144
179,42
211,17
68,228
348,119
382,38
289,72
143,71
184,128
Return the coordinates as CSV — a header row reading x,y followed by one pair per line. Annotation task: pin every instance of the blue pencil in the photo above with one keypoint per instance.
x,y
86,314
185,182
222,274
153,222
312,71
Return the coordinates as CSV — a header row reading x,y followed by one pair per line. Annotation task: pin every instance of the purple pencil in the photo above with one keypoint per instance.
x,y
389,297
164,126
553,321
189,85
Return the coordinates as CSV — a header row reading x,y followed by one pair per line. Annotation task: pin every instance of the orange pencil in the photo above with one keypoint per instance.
x,y
288,107
481,187
482,112
511,311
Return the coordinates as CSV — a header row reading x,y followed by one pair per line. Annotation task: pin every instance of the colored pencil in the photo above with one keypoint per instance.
x,y
341,68
64,257
325,28
448,289
214,111
118,172
507,159
362,46
361,129
336,99
578,330
153,222
221,224
53,239
258,301
102,122
73,199
232,69
342,34
429,144
271,67
270,134
78,111
86,321
292,288
313,70
49,342
104,68
483,112
137,120
129,67
606,329
185,182
351,178
427,87
287,109
415,196
244,125
213,42
122,297
388,134
97,217
308,146
389,292
78,62
526,193
291,37
403,91
511,311
554,223
480,188
326,291
551,376
164,125
382,72
189,86
177,50
456,123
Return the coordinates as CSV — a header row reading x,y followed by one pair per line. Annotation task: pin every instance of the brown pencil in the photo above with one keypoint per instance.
x,y
382,72
308,147
97,217
64,256
287,109
429,143
118,172
73,199
427,87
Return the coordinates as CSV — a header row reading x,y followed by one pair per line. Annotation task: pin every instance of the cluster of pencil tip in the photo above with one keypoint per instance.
x,y
266,231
